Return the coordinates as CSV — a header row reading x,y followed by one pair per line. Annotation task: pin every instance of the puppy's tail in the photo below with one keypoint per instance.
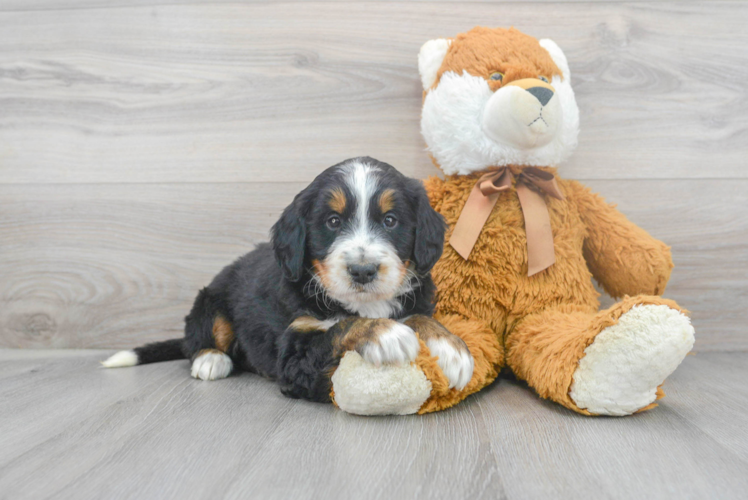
x,y
149,353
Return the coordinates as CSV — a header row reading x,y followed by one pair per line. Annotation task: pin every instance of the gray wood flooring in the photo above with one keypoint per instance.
x,y
145,144
72,430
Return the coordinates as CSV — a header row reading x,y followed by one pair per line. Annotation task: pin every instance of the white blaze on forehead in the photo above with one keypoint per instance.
x,y
361,179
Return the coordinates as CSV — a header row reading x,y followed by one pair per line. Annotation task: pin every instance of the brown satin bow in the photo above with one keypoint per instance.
x,y
531,183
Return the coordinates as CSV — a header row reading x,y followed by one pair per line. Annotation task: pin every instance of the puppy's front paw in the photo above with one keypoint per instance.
x,y
454,359
452,354
379,341
396,344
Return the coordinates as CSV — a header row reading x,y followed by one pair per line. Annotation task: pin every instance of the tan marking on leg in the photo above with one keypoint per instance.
x,y
387,200
223,334
337,200
309,324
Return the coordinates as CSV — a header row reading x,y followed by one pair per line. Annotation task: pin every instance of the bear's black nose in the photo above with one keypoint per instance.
x,y
363,273
542,94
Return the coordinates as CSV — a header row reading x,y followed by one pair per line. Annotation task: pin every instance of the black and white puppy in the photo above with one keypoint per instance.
x,y
348,268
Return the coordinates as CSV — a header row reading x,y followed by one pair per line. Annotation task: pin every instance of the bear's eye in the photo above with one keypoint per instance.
x,y
544,78
497,76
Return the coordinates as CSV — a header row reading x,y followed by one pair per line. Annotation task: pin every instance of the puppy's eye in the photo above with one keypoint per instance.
x,y
333,222
390,221
497,76
544,78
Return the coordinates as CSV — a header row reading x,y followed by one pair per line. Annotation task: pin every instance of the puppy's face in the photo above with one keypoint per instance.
x,y
368,232
362,234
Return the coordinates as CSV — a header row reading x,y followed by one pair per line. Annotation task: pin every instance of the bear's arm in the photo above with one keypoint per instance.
x,y
622,257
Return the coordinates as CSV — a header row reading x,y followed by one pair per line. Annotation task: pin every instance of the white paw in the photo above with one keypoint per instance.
x,y
397,346
212,365
456,364
623,367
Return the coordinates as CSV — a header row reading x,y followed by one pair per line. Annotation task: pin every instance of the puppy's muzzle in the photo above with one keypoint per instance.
x,y
363,273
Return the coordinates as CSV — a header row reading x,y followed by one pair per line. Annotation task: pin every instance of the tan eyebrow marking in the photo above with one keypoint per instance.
x,y
387,200
337,200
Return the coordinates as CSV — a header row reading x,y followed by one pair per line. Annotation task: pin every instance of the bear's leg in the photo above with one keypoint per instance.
x,y
607,363
488,356
421,387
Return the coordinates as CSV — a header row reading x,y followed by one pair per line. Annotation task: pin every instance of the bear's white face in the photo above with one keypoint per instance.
x,y
468,127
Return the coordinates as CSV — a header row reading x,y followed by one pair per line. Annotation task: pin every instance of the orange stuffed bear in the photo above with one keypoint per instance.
x,y
515,279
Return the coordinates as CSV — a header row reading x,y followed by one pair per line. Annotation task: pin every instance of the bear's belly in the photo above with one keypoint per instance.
x,y
494,278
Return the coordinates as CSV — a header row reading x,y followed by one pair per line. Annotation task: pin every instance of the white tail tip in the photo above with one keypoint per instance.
x,y
121,359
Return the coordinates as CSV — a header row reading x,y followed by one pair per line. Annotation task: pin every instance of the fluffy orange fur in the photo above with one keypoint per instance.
x,y
483,51
545,348
539,326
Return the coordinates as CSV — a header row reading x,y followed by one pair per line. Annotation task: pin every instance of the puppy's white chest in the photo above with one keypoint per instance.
x,y
378,309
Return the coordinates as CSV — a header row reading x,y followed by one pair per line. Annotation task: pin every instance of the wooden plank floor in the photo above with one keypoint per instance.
x,y
71,430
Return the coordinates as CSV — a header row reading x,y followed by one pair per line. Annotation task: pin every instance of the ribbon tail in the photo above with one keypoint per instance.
x,y
472,218
540,253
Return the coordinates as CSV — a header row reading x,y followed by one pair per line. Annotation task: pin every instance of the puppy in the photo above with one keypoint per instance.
x,y
348,268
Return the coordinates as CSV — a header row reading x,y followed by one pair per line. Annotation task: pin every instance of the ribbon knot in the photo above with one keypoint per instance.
x,y
531,184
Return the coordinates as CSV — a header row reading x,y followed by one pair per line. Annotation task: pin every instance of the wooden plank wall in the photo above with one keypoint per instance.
x,y
145,144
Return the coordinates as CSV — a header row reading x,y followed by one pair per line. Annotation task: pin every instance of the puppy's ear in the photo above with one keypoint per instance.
x,y
289,240
430,229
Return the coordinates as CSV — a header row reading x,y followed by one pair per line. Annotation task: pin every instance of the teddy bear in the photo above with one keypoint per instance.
x,y
523,246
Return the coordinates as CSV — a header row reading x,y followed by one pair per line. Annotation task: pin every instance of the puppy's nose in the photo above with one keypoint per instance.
x,y
542,94
363,273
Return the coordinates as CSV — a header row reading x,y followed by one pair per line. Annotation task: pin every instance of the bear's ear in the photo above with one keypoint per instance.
x,y
557,55
430,60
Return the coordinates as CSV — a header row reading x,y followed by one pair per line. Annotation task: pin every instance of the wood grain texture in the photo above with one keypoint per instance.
x,y
118,265
71,430
229,92
35,5
84,265
143,146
